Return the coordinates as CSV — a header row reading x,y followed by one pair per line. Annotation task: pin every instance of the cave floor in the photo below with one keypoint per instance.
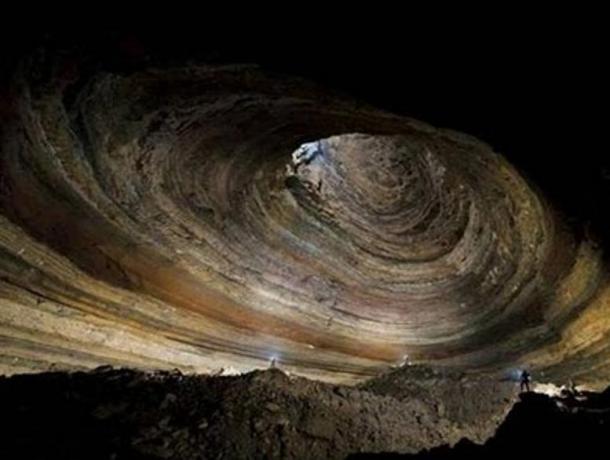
x,y
125,414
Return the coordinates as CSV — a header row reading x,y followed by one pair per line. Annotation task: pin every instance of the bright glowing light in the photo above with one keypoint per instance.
x,y
306,153
548,389
515,374
273,360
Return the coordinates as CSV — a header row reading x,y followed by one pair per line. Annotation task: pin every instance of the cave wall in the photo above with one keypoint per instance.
x,y
168,217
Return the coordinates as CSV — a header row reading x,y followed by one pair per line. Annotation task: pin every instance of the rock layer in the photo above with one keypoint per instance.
x,y
206,217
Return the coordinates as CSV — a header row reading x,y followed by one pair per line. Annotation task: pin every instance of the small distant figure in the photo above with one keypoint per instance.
x,y
272,363
525,380
572,388
571,392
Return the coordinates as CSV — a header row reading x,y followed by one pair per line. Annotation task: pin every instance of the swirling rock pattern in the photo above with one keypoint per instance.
x,y
203,217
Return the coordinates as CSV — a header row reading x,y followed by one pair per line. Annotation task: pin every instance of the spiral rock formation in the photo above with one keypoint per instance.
x,y
207,217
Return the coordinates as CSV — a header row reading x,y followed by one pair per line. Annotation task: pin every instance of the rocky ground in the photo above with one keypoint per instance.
x,y
567,426
118,414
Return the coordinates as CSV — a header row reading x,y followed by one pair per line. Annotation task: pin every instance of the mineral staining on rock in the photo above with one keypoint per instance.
x,y
215,217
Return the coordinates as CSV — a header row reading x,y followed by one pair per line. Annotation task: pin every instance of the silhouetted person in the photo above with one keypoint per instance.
x,y
572,388
525,380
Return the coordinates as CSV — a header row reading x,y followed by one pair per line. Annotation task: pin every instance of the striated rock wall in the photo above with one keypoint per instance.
x,y
207,217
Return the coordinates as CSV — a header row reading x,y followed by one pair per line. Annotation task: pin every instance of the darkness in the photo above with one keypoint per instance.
x,y
534,88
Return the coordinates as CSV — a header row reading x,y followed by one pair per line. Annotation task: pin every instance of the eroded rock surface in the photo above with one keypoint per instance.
x,y
116,414
538,426
204,217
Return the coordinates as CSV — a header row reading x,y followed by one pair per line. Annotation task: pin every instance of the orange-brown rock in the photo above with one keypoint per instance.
x,y
207,217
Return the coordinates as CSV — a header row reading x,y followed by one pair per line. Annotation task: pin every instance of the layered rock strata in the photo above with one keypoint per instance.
x,y
208,217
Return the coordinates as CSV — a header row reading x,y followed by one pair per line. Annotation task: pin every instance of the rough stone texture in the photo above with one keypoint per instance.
x,y
538,426
474,404
116,414
166,217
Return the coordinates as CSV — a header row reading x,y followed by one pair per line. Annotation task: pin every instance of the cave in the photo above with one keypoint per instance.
x,y
218,249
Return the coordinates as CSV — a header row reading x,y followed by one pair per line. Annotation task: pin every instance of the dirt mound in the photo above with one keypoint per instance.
x,y
476,405
568,426
115,414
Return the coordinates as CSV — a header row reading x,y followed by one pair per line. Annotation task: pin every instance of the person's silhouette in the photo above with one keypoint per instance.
x,y
525,380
